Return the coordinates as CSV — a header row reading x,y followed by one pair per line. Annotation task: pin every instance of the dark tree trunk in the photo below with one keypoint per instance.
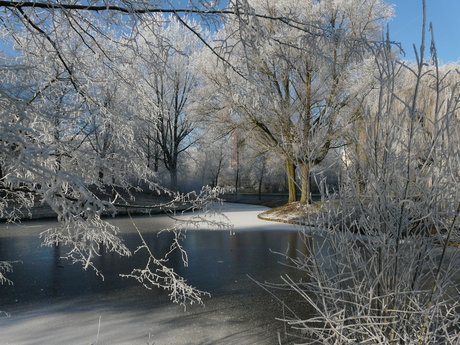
x,y
260,189
290,171
173,179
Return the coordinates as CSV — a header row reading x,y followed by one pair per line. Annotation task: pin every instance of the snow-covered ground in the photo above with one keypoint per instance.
x,y
244,217
236,314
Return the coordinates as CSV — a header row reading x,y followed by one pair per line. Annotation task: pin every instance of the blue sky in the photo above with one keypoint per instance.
x,y
445,16
406,26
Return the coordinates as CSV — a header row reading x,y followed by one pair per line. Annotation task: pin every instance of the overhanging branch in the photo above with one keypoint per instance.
x,y
145,10
94,8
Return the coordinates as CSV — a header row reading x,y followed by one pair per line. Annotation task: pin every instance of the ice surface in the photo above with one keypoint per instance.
x,y
237,313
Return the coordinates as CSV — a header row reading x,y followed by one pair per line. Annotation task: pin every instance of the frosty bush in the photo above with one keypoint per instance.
x,y
382,269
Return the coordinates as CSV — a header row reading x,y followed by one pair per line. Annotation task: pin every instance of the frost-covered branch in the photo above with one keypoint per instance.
x,y
156,273
86,238
382,268
5,267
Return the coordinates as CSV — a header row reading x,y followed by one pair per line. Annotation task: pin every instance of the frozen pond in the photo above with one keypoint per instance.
x,y
54,302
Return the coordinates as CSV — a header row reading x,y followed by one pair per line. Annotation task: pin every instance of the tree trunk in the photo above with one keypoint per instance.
x,y
114,192
260,189
305,196
237,163
173,179
290,171
237,180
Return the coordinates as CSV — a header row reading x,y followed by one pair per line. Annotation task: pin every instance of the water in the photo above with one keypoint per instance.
x,y
55,302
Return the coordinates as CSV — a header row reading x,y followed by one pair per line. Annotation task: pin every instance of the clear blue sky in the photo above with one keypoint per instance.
x,y
406,26
445,16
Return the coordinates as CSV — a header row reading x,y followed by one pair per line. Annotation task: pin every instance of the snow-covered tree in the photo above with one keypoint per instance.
x,y
67,127
289,82
159,65
383,269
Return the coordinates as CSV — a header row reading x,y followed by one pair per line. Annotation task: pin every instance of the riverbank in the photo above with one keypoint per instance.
x,y
279,209
142,204
270,200
292,213
152,203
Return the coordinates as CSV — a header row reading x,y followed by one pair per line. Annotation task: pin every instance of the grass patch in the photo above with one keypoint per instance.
x,y
292,213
